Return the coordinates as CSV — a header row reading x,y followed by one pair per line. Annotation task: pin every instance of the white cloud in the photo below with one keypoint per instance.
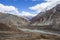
x,y
45,5
13,10
8,9
24,13
27,15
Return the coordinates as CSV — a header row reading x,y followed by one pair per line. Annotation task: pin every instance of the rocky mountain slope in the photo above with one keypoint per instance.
x,y
49,19
13,21
9,25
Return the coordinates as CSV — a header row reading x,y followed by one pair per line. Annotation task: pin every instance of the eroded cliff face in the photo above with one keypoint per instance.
x,y
50,18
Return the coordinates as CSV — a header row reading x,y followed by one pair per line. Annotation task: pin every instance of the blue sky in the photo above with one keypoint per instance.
x,y
22,5
26,7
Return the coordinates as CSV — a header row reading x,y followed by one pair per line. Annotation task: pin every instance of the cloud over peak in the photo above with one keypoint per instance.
x,y
13,10
24,13
48,4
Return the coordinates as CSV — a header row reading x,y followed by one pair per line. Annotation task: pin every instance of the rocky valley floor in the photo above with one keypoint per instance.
x,y
8,35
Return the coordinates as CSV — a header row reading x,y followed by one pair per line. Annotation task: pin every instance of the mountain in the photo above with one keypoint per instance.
x,y
9,25
9,21
48,19
27,17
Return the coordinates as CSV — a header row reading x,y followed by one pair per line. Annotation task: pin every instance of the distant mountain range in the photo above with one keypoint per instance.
x,y
44,20
14,27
